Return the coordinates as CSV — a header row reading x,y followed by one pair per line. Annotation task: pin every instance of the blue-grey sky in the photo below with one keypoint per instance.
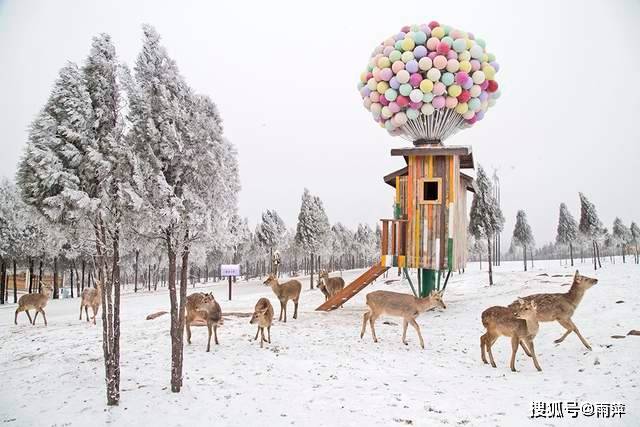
x,y
284,76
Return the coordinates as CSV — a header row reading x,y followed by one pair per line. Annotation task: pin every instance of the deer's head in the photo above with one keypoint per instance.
x,y
583,282
257,315
271,280
436,299
525,309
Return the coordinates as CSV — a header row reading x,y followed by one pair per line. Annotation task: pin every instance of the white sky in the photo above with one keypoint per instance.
x,y
284,76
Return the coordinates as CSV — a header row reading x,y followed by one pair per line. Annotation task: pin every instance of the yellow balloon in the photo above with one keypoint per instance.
x,y
438,32
454,90
465,66
408,44
383,62
426,86
469,43
363,77
489,72
462,108
382,87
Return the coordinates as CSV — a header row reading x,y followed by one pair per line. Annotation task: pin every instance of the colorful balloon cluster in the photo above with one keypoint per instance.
x,y
425,68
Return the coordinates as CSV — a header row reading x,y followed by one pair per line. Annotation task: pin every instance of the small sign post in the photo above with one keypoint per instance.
x,y
230,271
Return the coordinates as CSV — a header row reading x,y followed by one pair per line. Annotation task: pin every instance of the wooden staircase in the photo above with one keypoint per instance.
x,y
354,287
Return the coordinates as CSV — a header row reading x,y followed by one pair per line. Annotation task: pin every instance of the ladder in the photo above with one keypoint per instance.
x,y
354,287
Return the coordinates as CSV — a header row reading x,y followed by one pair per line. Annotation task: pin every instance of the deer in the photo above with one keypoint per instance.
x,y
519,323
399,305
561,306
91,297
330,286
285,291
263,316
202,309
37,301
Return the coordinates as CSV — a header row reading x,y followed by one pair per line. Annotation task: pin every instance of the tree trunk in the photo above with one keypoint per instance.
x,y
15,283
595,262
30,275
624,260
71,279
2,280
149,278
524,256
311,270
571,252
135,272
40,277
83,266
184,269
176,377
55,278
489,260
531,253
598,254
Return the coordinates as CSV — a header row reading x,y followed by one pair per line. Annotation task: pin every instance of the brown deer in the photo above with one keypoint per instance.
x,y
399,305
203,309
34,301
91,297
561,306
263,316
285,291
519,323
332,285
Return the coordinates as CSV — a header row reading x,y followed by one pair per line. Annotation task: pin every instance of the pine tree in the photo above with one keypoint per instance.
x,y
590,225
271,232
313,228
522,235
635,239
622,234
485,217
567,229
194,182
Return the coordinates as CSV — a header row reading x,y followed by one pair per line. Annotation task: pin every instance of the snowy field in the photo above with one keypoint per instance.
x,y
317,371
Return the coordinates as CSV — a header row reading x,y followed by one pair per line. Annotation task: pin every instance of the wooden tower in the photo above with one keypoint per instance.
x,y
428,231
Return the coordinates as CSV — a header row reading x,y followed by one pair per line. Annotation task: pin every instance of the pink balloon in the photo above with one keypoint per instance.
x,y
394,107
386,74
432,55
415,105
374,96
397,66
432,43
440,62
402,100
462,77
438,102
415,79
442,48
384,100
439,88
475,64
452,54
451,102
484,85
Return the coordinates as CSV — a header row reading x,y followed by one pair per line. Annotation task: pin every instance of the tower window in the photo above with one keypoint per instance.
x,y
431,190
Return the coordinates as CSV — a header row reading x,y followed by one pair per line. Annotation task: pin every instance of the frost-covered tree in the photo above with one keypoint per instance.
x,y
635,239
485,217
341,244
76,165
590,226
365,243
271,232
240,235
522,235
313,227
567,229
622,235
187,174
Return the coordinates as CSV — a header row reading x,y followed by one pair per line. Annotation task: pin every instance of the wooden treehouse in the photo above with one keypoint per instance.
x,y
428,231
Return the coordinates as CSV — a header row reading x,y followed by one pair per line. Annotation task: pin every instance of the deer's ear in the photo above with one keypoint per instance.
x,y
520,301
534,305
577,273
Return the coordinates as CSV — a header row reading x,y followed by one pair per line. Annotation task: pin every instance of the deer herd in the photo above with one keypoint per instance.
x,y
518,321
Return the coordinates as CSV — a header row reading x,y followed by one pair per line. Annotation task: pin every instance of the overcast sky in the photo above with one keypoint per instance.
x,y
284,76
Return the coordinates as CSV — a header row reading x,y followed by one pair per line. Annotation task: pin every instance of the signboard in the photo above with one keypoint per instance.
x,y
230,270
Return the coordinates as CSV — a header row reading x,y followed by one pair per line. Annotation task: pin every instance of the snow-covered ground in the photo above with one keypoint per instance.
x,y
317,371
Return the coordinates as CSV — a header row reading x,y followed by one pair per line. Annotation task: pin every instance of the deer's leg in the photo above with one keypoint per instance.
x,y
285,311
489,341
281,310
86,312
372,320
515,342
257,332
15,319
94,308
575,329
80,311
533,353
524,347
295,308
405,323
29,316
568,328
365,319
44,316
35,316
209,339
262,338
215,334
415,325
483,339
269,334
187,327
